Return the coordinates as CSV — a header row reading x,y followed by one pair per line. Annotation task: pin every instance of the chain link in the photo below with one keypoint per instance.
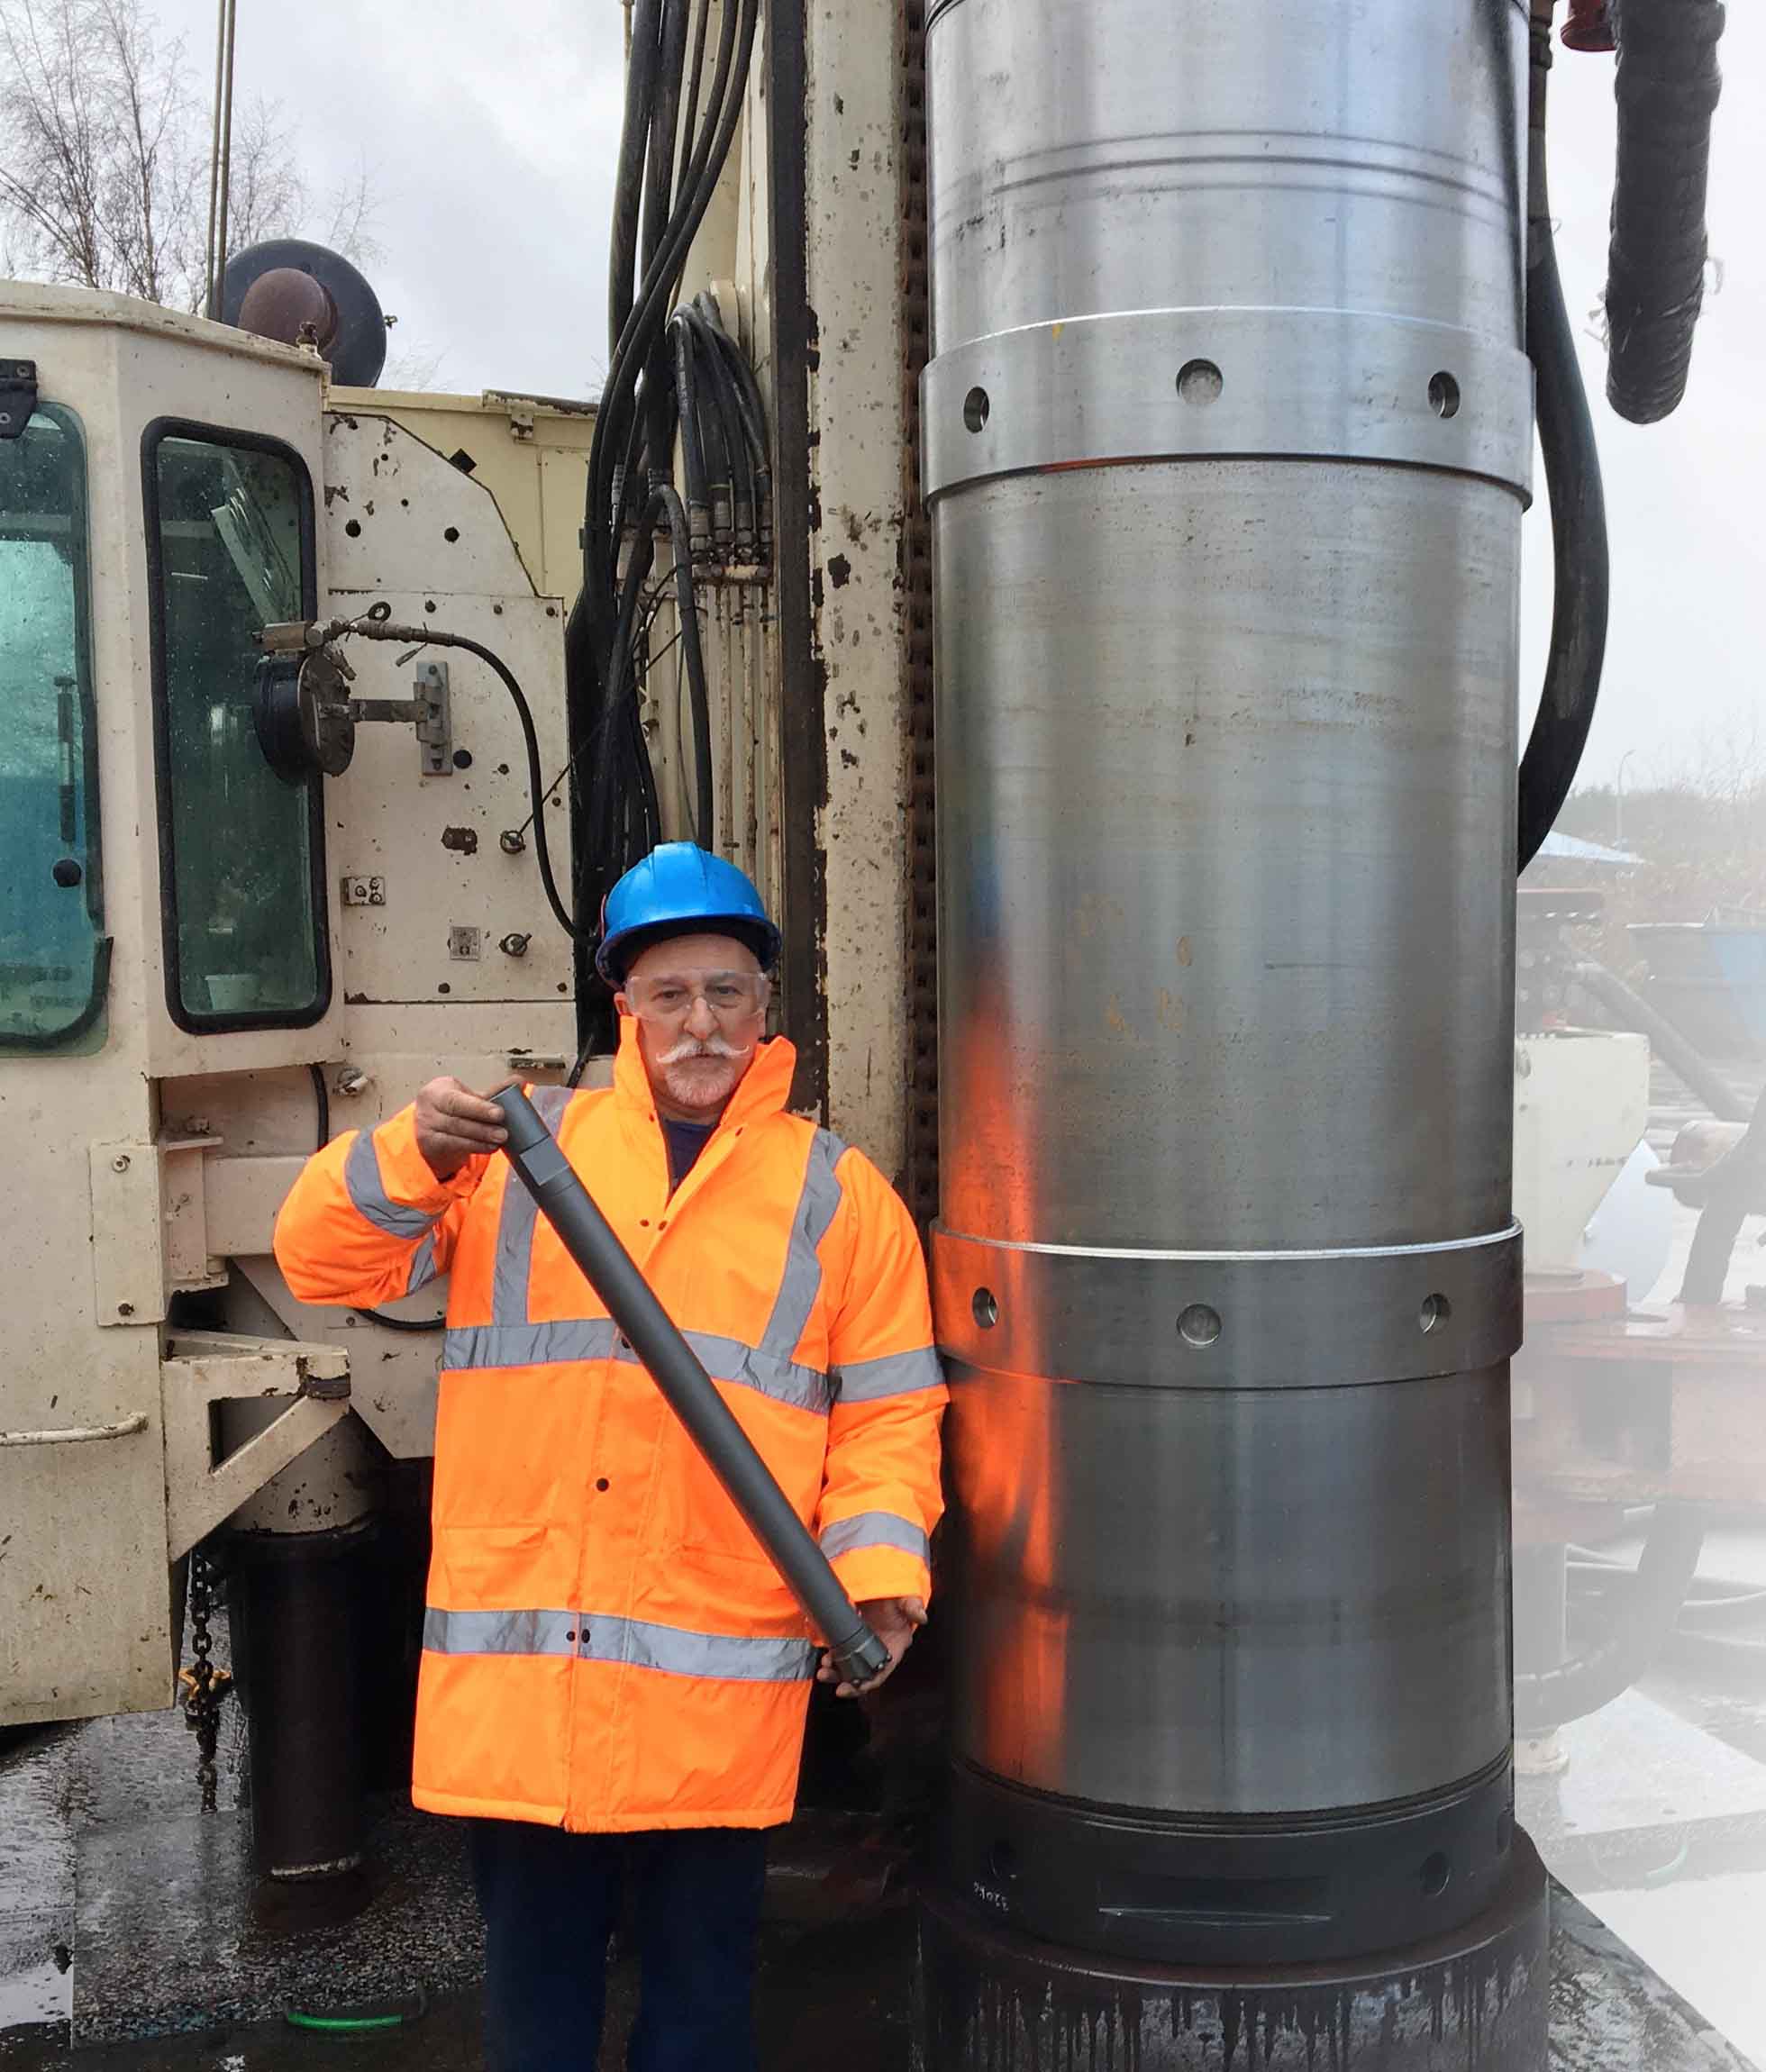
x,y
205,1686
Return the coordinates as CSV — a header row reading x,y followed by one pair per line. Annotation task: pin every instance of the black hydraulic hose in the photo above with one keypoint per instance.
x,y
321,1101
588,631
664,112
747,389
1579,508
630,479
1550,1698
715,434
659,204
726,1449
697,186
748,397
720,385
692,451
433,637
665,506
628,177
1626,1009
687,610
695,72
632,345
603,737
1667,85
752,412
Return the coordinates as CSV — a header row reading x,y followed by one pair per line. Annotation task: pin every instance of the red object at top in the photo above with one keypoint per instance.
x,y
1589,26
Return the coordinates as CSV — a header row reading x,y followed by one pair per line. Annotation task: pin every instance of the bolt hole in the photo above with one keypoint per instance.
x,y
354,528
1445,395
985,1308
1436,1310
1199,1324
462,759
1434,1874
1199,381
975,407
451,535
1003,1860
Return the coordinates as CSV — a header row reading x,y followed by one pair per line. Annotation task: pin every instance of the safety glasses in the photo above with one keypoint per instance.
x,y
670,996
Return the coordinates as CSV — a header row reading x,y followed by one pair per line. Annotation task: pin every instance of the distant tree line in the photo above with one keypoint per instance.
x,y
104,149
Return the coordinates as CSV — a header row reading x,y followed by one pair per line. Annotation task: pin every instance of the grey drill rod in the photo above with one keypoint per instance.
x,y
728,1452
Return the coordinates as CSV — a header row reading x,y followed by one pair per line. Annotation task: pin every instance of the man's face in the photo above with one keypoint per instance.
x,y
700,1002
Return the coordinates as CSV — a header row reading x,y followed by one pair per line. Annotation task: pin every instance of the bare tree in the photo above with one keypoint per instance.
x,y
104,149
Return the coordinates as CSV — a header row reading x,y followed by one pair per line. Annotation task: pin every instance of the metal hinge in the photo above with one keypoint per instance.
x,y
18,395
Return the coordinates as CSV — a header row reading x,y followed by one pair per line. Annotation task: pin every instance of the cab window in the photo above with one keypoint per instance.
x,y
54,956
230,551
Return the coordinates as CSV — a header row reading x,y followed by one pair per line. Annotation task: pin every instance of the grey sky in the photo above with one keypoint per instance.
x,y
491,132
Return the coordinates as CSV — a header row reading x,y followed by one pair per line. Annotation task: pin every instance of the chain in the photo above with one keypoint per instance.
x,y
205,1686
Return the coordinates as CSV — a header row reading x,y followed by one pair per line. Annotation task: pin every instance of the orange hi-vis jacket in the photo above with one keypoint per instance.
x,y
606,1647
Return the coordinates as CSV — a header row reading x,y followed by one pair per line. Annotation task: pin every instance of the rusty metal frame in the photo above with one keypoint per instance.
x,y
803,962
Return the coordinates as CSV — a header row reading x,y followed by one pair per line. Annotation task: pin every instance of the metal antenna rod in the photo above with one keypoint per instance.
x,y
221,154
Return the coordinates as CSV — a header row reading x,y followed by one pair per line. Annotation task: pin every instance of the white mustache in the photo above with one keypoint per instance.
x,y
712,1046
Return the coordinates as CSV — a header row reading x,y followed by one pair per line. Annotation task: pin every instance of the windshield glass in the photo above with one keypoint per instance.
x,y
52,952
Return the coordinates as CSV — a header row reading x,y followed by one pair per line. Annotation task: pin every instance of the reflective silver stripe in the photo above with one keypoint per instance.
x,y
500,1632
595,1338
818,1206
528,1344
874,1529
514,1230
595,1637
422,1266
732,1658
368,1196
729,1359
897,1373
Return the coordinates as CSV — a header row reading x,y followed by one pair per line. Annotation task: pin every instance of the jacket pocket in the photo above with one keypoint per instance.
x,y
709,1525
498,1565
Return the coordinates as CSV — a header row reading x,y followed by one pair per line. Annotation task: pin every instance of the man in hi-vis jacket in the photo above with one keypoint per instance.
x,y
615,1679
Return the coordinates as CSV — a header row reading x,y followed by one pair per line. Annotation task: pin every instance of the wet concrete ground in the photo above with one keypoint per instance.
x,y
123,1916
827,1996
837,1995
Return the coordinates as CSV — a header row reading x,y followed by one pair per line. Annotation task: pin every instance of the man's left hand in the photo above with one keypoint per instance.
x,y
894,1621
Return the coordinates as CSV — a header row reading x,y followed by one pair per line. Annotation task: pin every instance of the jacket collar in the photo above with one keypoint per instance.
x,y
765,1088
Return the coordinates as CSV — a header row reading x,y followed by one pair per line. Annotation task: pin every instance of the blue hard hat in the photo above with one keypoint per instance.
x,y
680,889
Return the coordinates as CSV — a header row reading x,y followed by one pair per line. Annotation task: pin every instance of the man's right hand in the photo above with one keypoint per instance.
x,y
455,1125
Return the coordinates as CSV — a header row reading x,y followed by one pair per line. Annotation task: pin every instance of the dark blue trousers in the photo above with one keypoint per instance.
x,y
550,1900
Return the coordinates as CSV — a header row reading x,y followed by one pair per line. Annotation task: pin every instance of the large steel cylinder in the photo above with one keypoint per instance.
x,y
1227,441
